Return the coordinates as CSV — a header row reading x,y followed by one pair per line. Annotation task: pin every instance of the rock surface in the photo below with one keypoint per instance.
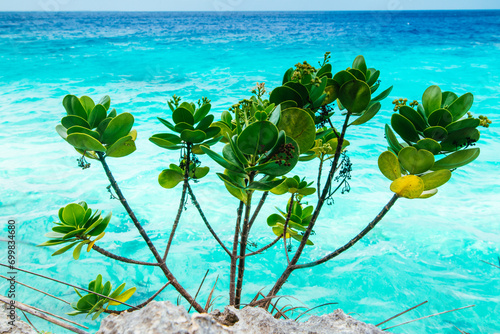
x,y
164,317
20,327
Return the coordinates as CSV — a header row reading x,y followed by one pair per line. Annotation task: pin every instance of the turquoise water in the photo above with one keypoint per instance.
x,y
422,250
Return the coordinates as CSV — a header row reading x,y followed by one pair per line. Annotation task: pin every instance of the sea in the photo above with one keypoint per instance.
x,y
443,250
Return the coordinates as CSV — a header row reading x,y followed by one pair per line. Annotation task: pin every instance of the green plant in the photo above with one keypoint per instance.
x,y
257,143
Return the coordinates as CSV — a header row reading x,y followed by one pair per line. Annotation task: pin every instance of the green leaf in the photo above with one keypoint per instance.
x,y
460,138
357,74
431,99
274,219
435,179
65,248
105,101
61,130
257,138
462,124
299,125
193,136
166,140
317,91
117,128
87,103
413,116
179,127
457,159
81,129
440,117
382,95
264,186
96,115
355,96
78,249
428,144
360,64
200,172
367,115
373,78
121,148
324,70
205,123
85,142
447,99
221,161
409,186
95,231
415,161
182,115
202,112
169,178
73,214
437,133
73,106
299,88
166,123
342,77
461,106
72,120
392,140
404,128
388,164
284,93
229,181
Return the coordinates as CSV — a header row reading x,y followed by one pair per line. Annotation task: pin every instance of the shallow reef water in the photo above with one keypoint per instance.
x,y
422,250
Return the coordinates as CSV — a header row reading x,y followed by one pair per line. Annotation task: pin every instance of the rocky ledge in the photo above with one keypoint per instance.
x,y
164,317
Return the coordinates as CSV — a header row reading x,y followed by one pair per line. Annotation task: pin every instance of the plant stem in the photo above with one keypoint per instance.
x,y
265,247
257,209
181,203
141,305
243,246
234,256
320,169
354,240
289,214
202,214
288,270
121,258
171,278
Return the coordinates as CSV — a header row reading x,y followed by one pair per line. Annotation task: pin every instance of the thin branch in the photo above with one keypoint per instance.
x,y
68,284
289,269
209,299
38,313
320,169
265,247
257,209
36,330
45,293
491,264
354,240
171,278
234,256
432,315
309,310
397,315
243,246
199,288
181,203
121,258
289,214
204,218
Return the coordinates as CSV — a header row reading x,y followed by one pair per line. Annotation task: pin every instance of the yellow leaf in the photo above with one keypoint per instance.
x,y
89,247
123,297
409,186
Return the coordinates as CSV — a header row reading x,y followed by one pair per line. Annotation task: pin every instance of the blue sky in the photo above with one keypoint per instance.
x,y
241,5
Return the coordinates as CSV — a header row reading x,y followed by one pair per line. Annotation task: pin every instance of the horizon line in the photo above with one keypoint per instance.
x,y
243,11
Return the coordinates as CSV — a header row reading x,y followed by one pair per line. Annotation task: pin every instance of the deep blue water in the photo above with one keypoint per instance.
x,y
422,250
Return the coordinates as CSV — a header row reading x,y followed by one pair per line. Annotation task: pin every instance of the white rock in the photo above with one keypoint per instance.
x,y
164,317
